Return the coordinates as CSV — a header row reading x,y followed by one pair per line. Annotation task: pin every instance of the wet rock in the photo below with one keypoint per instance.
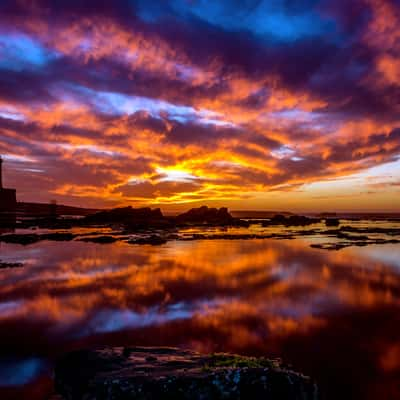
x,y
58,236
154,240
343,235
168,373
332,221
330,246
217,236
278,219
31,238
304,232
20,239
102,239
374,230
352,241
6,265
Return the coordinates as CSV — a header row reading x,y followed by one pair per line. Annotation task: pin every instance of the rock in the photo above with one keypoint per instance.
x,y
58,236
6,265
278,219
359,241
128,216
154,240
31,238
206,215
168,373
379,230
103,239
332,221
24,239
343,235
293,220
330,246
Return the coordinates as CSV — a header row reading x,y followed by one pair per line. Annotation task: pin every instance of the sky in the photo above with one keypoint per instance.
x,y
250,104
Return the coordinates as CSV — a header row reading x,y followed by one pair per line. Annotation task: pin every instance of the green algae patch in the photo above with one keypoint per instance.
x,y
223,360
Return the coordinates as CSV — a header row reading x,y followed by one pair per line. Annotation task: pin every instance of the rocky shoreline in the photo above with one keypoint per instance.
x,y
150,227
155,237
159,373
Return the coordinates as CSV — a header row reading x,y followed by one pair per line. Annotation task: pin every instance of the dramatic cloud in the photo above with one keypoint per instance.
x,y
170,102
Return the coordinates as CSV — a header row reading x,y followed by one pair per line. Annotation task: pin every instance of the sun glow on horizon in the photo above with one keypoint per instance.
x,y
214,107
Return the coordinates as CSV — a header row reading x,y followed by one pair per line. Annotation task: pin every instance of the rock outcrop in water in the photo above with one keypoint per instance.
x,y
7,265
168,373
133,218
293,220
128,216
332,221
153,239
31,238
206,215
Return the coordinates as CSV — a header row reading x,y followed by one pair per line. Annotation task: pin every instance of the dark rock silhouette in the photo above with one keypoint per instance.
x,y
128,216
379,230
172,374
58,236
293,220
24,239
102,239
206,215
154,240
31,238
332,221
6,265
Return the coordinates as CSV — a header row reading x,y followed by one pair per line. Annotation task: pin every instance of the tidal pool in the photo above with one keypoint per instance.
x,y
334,315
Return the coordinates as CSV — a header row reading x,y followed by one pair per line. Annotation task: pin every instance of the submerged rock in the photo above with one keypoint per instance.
x,y
378,230
168,373
330,246
102,239
154,240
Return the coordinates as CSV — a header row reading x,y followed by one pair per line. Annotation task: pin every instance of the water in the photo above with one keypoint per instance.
x,y
332,314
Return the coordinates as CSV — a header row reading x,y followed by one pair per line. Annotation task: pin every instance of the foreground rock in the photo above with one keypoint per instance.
x,y
167,373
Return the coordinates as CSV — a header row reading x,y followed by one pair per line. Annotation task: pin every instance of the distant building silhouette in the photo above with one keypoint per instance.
x,y
8,202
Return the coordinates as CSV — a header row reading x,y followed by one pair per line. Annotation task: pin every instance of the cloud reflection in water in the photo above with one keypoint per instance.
x,y
272,297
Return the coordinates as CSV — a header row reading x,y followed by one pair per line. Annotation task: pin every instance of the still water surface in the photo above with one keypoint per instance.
x,y
332,314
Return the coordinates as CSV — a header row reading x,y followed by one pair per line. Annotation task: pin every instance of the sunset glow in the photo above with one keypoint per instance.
x,y
248,104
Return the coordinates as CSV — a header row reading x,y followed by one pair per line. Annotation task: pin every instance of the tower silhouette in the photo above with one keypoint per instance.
x,y
8,201
1,173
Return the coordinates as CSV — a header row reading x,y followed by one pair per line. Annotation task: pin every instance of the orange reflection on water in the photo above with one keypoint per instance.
x,y
265,297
